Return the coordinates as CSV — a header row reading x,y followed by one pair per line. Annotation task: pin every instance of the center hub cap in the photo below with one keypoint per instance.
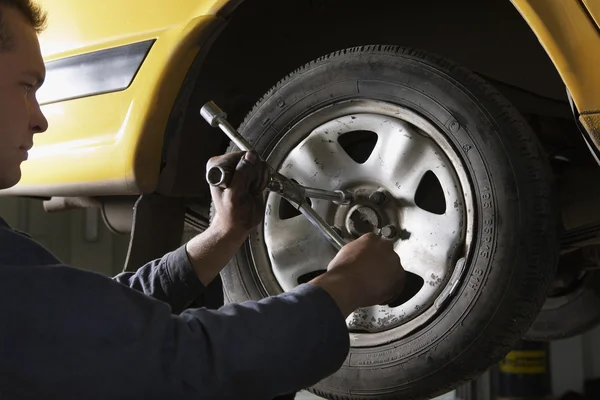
x,y
362,219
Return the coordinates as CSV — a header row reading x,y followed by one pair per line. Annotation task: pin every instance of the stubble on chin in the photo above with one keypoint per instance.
x,y
11,176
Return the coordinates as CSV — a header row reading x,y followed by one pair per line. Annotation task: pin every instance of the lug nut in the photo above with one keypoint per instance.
x,y
378,197
388,231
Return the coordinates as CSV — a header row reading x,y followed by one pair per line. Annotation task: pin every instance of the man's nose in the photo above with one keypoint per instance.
x,y
39,123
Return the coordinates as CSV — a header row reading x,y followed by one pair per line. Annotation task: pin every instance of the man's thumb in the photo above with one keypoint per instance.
x,y
250,157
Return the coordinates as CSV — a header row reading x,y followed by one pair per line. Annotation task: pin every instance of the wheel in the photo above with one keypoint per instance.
x,y
467,193
573,303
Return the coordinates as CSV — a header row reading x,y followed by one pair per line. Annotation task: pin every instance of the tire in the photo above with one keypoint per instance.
x,y
514,246
569,312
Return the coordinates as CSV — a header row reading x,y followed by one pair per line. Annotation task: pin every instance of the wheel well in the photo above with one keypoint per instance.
x,y
264,40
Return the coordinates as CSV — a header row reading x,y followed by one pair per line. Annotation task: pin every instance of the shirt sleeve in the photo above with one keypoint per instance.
x,y
170,279
69,333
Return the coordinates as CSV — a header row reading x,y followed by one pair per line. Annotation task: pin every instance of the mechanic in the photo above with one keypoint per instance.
x,y
68,333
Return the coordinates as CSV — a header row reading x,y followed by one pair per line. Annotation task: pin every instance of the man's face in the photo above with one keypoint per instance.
x,y
22,72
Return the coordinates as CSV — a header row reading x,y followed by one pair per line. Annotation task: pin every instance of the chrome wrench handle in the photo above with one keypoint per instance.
x,y
278,183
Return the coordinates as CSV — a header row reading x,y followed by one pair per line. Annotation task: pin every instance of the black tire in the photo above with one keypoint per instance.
x,y
515,242
569,314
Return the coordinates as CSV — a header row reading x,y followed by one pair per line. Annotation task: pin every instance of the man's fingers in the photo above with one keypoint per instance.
x,y
228,160
376,240
248,172
251,157
262,178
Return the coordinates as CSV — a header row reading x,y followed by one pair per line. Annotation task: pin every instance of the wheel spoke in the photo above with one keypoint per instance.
x,y
296,247
402,157
398,148
319,161
371,319
430,242
409,177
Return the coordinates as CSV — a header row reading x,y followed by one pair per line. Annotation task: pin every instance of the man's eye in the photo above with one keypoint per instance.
x,y
28,87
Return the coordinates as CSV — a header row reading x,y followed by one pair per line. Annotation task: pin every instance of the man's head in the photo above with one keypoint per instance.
x,y
21,74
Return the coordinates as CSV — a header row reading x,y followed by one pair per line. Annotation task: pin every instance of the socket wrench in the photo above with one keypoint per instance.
x,y
286,188
219,176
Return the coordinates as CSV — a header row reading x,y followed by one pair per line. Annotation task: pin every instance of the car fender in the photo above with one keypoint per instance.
x,y
111,143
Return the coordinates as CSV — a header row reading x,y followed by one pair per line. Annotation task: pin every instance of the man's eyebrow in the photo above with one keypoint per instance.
x,y
39,78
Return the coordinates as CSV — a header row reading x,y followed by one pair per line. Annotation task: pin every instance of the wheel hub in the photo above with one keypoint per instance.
x,y
363,219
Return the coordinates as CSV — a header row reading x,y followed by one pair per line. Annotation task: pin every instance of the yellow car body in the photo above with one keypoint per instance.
x,y
111,143
102,144
569,32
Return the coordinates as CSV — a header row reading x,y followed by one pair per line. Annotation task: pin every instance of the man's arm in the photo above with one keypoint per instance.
x,y
69,333
170,279
181,276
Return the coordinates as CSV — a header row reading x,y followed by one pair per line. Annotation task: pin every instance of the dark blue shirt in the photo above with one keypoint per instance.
x,y
67,333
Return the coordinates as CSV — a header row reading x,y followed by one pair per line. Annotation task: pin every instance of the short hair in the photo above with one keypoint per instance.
x,y
33,13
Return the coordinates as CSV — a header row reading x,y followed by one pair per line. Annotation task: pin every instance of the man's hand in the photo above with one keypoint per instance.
x,y
240,207
365,272
238,210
